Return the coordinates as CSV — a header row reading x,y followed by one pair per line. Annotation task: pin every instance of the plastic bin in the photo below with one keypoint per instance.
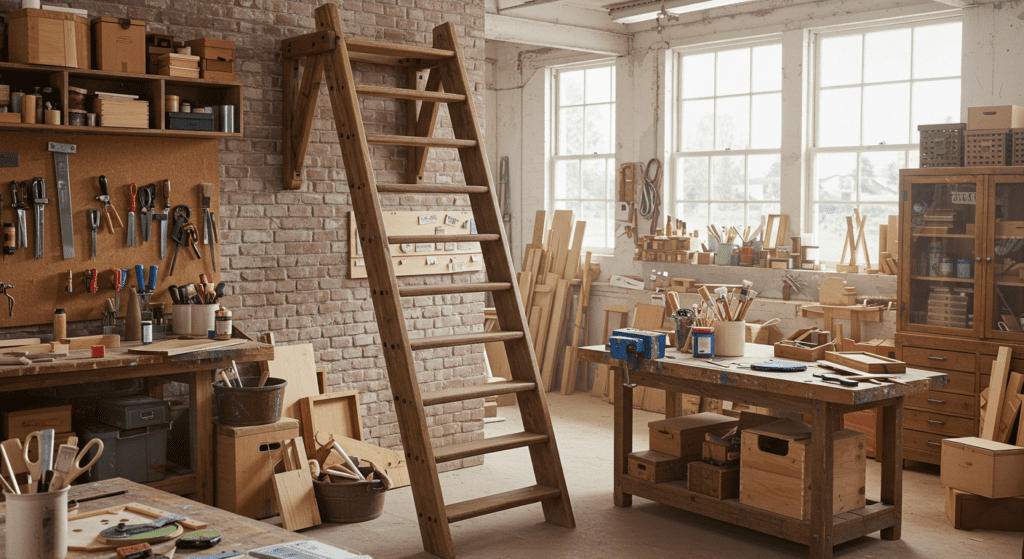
x,y
139,455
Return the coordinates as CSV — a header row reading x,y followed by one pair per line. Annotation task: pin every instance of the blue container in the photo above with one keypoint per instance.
x,y
703,342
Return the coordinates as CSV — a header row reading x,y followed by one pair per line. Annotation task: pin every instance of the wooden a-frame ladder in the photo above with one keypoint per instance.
x,y
327,53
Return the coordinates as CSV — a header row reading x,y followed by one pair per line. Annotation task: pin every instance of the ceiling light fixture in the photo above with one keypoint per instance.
x,y
643,10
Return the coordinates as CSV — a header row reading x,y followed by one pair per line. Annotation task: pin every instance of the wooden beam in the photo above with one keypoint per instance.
x,y
310,43
425,122
555,35
299,108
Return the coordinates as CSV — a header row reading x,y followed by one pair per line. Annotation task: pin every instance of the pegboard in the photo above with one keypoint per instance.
x,y
39,284
425,258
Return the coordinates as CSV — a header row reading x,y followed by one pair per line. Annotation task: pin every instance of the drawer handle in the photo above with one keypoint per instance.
x,y
937,358
936,401
933,443
936,422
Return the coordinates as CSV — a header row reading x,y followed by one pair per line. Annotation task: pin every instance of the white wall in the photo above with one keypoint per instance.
x,y
993,44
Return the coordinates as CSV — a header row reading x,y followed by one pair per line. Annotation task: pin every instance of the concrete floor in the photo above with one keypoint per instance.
x,y
583,426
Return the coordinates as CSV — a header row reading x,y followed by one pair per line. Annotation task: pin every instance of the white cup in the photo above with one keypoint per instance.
x,y
204,319
730,338
37,525
182,319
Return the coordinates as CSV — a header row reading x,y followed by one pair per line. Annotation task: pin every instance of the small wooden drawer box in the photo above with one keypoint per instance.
x,y
714,481
244,483
775,470
656,467
683,437
51,38
17,424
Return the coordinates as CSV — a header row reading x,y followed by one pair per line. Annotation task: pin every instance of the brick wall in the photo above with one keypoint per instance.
x,y
286,252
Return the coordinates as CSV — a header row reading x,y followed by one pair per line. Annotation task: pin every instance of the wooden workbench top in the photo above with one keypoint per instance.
x,y
803,385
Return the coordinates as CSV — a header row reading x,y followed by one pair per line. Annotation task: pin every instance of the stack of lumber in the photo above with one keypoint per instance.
x,y
1001,403
124,111
888,255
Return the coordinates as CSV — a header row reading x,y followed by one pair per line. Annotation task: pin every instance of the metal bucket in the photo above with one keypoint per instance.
x,y
250,404
349,501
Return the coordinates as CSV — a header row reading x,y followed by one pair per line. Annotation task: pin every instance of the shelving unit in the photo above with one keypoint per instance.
x,y
147,86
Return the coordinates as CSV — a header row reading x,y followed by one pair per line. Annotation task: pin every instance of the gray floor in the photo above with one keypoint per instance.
x,y
649,530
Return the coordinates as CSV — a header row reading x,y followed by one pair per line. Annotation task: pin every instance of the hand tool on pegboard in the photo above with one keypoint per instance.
x,y
18,195
143,285
147,201
183,233
117,279
209,222
63,174
108,209
94,227
40,200
162,218
133,192
92,280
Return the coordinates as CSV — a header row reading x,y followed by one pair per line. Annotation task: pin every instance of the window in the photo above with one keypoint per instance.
x,y
583,164
727,156
873,88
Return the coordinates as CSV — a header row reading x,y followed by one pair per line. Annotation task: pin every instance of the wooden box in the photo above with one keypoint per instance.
x,y
1018,147
217,65
683,437
942,145
212,48
656,467
51,38
1000,116
970,512
714,481
987,147
120,44
17,424
244,469
866,422
775,470
987,468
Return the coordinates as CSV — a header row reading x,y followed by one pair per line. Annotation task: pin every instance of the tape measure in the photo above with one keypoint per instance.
x,y
200,539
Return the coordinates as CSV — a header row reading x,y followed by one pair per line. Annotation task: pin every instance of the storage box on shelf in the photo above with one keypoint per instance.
x,y
1018,146
1000,116
119,45
987,147
47,37
217,58
942,145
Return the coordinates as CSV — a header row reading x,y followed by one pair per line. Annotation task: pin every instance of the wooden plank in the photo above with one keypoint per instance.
x,y
546,300
892,238
86,342
572,260
294,489
391,461
297,365
1011,407
571,362
336,413
997,390
300,100
179,347
539,229
561,229
866,362
555,327
23,341
648,317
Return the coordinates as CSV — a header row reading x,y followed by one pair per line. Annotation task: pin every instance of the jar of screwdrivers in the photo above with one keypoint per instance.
x,y
703,339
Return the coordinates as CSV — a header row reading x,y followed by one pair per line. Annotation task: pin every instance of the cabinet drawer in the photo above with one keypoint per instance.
x,y
921,446
961,383
940,424
925,358
944,402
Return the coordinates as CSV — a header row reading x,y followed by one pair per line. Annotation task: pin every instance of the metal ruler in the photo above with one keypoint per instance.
x,y
60,160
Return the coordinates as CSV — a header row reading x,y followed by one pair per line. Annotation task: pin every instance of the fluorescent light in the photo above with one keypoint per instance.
x,y
643,10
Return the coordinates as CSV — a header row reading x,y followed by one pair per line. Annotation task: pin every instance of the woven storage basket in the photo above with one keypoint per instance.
x,y
987,148
942,145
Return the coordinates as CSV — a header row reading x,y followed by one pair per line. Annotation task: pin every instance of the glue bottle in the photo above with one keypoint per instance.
x,y
223,323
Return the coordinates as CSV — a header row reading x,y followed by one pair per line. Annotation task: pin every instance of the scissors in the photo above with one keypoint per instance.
x,y
39,469
76,468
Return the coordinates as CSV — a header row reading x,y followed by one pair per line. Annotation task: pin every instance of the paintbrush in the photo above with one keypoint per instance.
x,y
65,459
706,295
723,300
10,468
750,299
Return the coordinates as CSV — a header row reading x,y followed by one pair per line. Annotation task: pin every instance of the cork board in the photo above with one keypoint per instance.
x,y
39,284
425,258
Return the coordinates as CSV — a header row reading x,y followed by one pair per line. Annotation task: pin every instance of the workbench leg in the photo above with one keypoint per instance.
x,y
822,473
623,435
200,389
155,387
855,326
891,443
673,404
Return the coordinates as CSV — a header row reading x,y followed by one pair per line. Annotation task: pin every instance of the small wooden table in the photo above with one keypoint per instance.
x,y
238,532
796,392
195,369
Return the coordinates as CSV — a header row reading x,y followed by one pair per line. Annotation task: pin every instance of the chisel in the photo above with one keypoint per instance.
x,y
147,200
94,227
133,192
40,200
162,218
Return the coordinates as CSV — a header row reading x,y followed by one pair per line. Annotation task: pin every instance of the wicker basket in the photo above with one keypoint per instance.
x,y
987,148
942,145
1018,146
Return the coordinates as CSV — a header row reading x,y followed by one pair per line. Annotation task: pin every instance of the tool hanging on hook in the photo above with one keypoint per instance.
x,y
10,300
18,203
133,192
40,200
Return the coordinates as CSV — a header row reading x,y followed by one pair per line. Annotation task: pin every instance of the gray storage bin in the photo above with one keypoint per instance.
x,y
139,455
133,412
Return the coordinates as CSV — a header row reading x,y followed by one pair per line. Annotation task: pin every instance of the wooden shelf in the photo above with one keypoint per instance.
x,y
941,236
939,279
111,130
1011,283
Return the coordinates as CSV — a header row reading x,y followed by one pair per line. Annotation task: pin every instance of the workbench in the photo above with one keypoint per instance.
x,y
797,392
238,532
195,369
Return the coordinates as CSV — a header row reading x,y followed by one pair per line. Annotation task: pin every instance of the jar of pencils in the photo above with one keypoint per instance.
x,y
703,341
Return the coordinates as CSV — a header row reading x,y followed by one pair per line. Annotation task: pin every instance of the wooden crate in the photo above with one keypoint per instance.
x,y
714,481
969,512
51,38
987,148
775,470
17,424
683,437
942,145
244,466
656,467
1018,146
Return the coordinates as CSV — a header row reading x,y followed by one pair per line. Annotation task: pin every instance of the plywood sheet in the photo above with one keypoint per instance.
x,y
425,258
178,347
336,413
297,365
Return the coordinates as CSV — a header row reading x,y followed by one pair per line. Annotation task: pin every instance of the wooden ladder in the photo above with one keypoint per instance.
x,y
328,53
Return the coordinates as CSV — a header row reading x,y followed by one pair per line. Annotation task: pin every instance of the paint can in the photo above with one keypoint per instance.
x,y
946,268
934,259
703,341
963,268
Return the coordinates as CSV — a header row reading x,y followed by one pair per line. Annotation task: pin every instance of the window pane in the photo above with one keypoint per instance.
x,y
695,215
727,215
756,211
936,102
914,159
596,216
732,130
699,75
570,87
839,117
886,114
568,205
880,176
692,178
764,174
599,85
698,125
594,180
766,114
877,214
937,50
840,60
831,227
599,127
567,179
887,56
836,177
570,131
733,75
767,68
610,173
727,177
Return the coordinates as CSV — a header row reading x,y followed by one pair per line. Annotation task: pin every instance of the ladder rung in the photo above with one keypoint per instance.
x,y
417,141
463,339
452,288
478,391
487,446
396,50
500,502
413,239
409,94
433,188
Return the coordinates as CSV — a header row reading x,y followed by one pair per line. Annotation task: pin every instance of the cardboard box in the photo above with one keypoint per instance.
x,y
986,468
1000,116
18,423
714,481
120,45
244,483
656,467
212,48
218,76
775,470
683,437
216,65
969,512
51,38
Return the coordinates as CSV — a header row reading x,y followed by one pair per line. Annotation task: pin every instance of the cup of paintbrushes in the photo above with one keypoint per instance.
x,y
37,524
730,338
